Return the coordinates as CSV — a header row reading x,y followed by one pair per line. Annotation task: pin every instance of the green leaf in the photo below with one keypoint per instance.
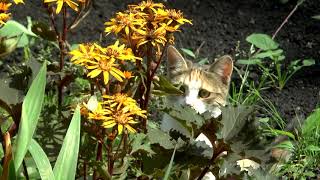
x,y
312,148
7,45
316,17
285,145
186,115
203,61
311,124
262,41
31,109
157,136
269,53
167,174
12,173
165,87
41,160
13,28
308,62
285,133
140,143
188,52
233,119
23,41
249,61
66,164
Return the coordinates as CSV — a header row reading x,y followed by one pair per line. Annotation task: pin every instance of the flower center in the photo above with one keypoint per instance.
x,y
104,65
121,117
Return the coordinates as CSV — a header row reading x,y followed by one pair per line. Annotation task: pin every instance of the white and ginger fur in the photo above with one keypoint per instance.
x,y
206,87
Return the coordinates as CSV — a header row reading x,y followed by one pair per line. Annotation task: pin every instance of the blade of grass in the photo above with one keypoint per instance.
x,y
31,109
41,160
66,164
167,174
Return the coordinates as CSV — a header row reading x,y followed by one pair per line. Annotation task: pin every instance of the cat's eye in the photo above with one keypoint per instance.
x,y
204,93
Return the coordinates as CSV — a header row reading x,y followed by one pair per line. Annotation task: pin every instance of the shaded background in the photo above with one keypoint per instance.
x,y
221,24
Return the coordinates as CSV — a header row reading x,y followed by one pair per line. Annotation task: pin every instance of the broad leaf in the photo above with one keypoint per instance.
x,y
41,160
308,62
311,124
164,87
140,143
185,114
66,164
31,109
262,41
233,119
269,53
7,45
157,136
249,61
13,28
188,52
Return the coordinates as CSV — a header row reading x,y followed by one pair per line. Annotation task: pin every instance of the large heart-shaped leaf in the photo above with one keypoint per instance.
x,y
233,119
262,41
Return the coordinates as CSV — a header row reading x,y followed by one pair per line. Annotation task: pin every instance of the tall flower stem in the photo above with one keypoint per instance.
x,y
148,83
98,157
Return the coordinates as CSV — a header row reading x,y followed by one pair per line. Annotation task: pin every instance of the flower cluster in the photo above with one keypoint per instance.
x,y
4,8
99,60
146,22
117,110
72,4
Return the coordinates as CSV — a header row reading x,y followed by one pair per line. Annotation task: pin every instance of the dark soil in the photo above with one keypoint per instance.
x,y
221,24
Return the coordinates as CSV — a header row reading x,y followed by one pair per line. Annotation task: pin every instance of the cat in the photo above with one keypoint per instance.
x,y
205,87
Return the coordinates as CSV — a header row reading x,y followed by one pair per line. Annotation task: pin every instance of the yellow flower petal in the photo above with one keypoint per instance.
x,y
109,125
94,73
59,6
120,128
130,129
106,77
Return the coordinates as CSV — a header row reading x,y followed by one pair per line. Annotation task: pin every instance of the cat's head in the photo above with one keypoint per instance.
x,y
205,87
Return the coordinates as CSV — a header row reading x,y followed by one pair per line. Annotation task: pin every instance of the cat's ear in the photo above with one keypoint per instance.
x,y
175,60
223,67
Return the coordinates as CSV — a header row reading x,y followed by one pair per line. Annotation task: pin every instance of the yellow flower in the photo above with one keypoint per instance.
x,y
177,16
4,18
60,3
122,120
127,74
4,7
84,54
123,21
102,60
155,37
118,100
18,1
123,109
99,113
147,5
120,52
106,67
